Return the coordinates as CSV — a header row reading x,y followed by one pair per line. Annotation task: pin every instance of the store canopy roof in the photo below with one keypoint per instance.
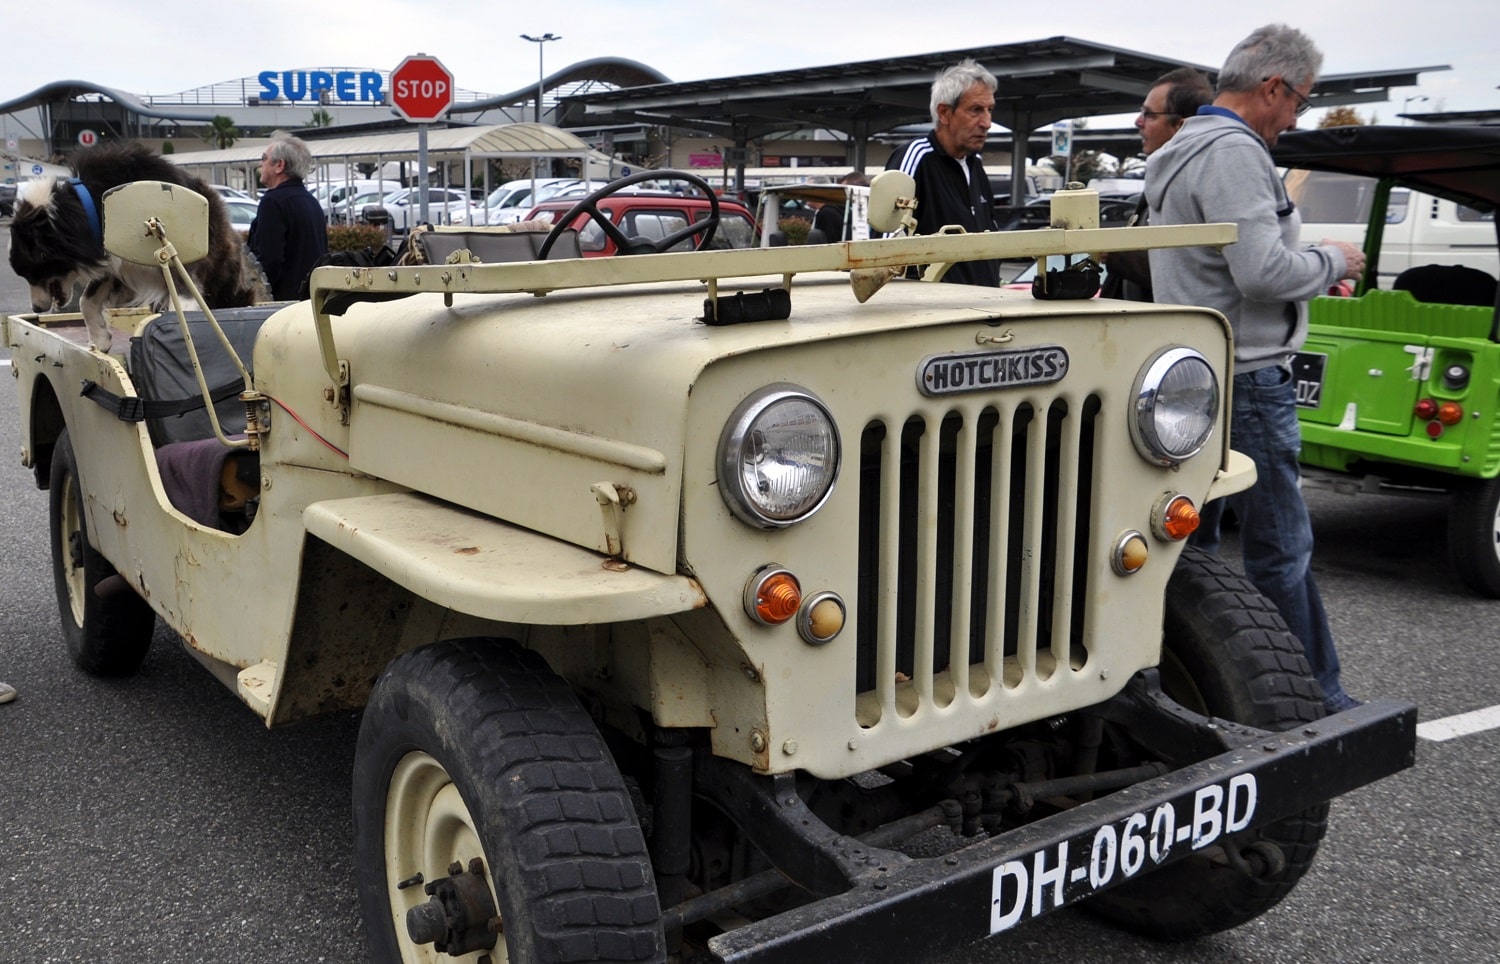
x,y
1040,82
500,140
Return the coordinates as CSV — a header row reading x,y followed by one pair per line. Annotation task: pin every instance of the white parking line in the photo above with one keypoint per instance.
x,y
1449,727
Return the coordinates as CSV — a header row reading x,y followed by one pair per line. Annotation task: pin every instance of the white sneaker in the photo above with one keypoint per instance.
x,y
7,692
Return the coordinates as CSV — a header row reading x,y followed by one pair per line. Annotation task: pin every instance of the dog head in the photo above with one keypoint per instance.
x,y
52,245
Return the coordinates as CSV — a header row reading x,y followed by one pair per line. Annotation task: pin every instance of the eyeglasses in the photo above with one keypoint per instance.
x,y
1304,104
1148,114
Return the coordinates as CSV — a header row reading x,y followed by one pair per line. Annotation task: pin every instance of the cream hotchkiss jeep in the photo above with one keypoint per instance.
x,y
700,607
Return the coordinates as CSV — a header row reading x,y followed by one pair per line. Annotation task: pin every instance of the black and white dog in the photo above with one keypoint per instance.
x,y
57,242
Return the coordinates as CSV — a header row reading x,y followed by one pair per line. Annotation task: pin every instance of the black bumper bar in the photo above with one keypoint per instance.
x,y
938,904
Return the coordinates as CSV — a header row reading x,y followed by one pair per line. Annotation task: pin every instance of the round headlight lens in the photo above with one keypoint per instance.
x,y
778,457
1176,404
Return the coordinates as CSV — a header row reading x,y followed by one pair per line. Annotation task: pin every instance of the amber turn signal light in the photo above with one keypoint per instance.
x,y
1175,518
772,596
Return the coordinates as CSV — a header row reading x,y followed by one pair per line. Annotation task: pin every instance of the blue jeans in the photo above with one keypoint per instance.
x,y
1275,532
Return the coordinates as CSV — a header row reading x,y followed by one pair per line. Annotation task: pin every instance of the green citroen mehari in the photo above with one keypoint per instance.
x,y
1399,385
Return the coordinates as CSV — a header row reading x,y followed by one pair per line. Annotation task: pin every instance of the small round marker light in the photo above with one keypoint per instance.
x,y
821,618
1434,429
1130,553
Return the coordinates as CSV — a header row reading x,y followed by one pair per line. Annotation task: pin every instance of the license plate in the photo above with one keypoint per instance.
x,y
1307,374
1115,852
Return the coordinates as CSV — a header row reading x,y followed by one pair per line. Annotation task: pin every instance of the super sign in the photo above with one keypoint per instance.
x,y
421,88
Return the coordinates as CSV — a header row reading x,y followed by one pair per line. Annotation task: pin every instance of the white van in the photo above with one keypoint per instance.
x,y
1419,228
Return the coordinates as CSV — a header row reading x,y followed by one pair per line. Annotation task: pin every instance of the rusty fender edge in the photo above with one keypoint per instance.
x,y
938,904
475,564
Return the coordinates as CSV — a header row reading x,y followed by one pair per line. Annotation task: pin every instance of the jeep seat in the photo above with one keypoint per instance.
x,y
499,246
1447,284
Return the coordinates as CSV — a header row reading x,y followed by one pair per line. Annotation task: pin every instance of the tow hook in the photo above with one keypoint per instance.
x,y
461,917
1262,859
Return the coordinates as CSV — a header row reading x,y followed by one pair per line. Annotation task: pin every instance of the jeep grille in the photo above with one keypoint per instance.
x,y
973,549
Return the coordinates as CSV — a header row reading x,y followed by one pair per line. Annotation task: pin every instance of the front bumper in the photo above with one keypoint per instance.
x,y
937,904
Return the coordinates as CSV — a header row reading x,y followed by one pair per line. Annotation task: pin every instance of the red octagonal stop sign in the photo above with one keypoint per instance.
x,y
421,88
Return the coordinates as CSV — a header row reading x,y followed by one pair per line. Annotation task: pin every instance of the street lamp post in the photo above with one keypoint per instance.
x,y
540,73
1415,98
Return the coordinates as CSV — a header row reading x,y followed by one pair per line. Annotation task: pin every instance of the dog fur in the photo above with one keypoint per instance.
x,y
54,248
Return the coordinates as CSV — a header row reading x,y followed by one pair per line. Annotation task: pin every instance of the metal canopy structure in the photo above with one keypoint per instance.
x,y
1040,82
468,143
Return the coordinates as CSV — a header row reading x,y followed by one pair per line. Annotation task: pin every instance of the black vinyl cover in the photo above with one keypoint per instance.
x,y
162,369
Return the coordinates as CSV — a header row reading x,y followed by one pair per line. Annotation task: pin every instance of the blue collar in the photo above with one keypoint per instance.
x,y
89,208
1221,112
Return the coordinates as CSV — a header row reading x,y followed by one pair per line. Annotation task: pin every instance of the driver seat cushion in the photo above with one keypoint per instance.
x,y
499,245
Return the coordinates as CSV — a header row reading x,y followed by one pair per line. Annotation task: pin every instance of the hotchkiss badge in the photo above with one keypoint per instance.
x,y
979,371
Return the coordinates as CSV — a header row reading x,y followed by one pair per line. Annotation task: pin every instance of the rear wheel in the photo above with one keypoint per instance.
x,y
490,818
1226,653
1474,536
106,626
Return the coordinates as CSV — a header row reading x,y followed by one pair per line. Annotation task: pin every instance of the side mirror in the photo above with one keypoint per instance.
x,y
888,191
182,213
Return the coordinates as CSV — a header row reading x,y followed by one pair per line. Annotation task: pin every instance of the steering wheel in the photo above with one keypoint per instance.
x,y
624,245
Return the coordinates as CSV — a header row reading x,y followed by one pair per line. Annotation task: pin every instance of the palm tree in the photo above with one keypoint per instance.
x,y
221,132
321,118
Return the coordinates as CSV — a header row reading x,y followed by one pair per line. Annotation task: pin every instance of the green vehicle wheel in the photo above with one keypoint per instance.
x,y
1474,536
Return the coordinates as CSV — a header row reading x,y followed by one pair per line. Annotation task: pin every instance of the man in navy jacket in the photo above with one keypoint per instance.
x,y
288,234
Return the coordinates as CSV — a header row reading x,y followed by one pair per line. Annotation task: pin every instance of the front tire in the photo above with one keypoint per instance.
x,y
106,626
475,749
1226,652
1474,536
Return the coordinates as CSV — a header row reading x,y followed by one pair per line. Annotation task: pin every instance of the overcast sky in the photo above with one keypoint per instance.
x,y
167,46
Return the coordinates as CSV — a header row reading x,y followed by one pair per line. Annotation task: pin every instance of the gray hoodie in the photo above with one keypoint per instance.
x,y
1217,169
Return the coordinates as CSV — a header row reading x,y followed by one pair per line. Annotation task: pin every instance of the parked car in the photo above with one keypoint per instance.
x,y
652,216
1398,386
331,195
1114,212
515,206
241,212
1419,228
349,209
232,192
442,203
7,200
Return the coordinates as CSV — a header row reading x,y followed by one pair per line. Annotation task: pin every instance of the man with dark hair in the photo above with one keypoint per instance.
x,y
952,187
1218,168
289,233
1172,99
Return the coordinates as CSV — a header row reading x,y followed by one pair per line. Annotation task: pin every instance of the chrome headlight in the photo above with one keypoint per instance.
x,y
778,457
1176,404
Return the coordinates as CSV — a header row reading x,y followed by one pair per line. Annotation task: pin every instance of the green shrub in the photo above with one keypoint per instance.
x,y
358,237
795,229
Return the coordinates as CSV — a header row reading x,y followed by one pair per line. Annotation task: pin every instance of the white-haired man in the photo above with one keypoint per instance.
x,y
952,187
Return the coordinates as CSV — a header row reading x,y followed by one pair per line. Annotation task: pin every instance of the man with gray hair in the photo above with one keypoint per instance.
x,y
289,233
1218,168
952,187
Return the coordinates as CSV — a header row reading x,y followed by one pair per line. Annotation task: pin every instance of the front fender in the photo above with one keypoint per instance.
x,y
478,565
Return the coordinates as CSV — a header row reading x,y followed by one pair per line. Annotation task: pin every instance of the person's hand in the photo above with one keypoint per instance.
x,y
1354,258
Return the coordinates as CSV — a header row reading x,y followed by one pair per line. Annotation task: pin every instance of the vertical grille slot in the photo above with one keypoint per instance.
x,y
973,550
